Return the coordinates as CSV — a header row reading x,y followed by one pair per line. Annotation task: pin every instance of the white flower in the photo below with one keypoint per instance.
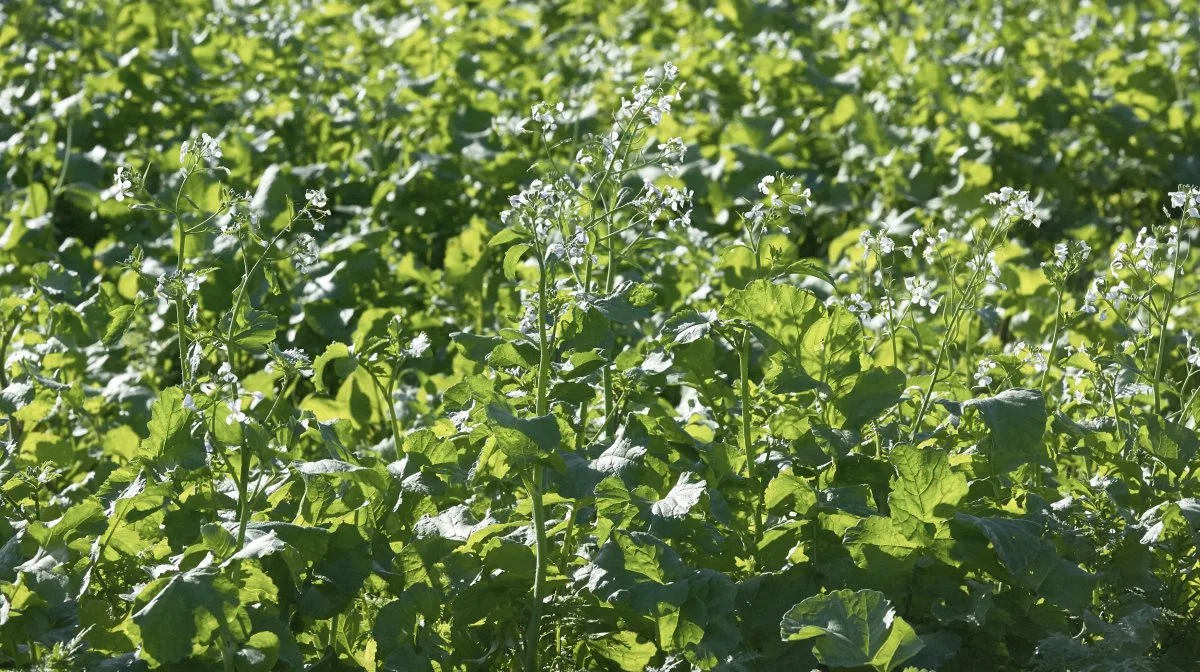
x,y
1185,199
983,372
209,147
921,292
235,412
542,115
673,150
316,198
764,185
225,373
206,148
1015,204
122,183
418,346
189,404
857,305
670,71
1060,253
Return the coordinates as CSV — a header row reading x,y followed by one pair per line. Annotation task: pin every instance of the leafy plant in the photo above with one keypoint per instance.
x,y
446,336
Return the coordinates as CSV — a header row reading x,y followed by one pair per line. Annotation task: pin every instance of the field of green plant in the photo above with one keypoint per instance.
x,y
735,336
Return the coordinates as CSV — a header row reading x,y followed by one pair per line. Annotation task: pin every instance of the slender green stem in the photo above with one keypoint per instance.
x,y
927,398
967,297
610,419
243,498
181,254
534,485
1053,340
4,343
1162,327
180,317
747,437
243,485
387,399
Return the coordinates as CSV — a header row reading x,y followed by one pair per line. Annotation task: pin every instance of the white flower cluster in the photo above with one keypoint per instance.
x,y
207,148
1069,259
316,207
417,346
1091,296
1027,355
653,97
122,184
780,200
927,244
176,285
986,265
652,201
1186,199
1143,255
574,249
983,372
541,113
1015,204
880,243
306,253
920,291
539,205
673,150
858,306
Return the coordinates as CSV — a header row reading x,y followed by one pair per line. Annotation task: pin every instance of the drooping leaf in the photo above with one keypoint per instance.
x,y
1016,419
523,438
681,498
875,391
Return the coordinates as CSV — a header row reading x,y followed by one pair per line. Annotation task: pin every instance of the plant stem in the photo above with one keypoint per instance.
x,y
1053,341
747,438
534,485
610,418
951,332
385,393
181,253
1162,327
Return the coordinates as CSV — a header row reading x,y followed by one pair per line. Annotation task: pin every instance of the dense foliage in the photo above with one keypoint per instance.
x,y
575,335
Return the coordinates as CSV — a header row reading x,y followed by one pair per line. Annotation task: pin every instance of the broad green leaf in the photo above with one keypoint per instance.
x,y
253,329
523,438
171,439
689,327
1170,442
925,491
623,649
783,312
853,629
512,260
626,305
344,469
790,493
184,614
680,499
16,395
875,391
1017,421
475,347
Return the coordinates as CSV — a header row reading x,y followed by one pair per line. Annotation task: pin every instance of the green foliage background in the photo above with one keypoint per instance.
x,y
1026,525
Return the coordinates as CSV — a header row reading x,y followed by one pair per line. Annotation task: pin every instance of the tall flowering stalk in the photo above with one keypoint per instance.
x,y
1013,206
